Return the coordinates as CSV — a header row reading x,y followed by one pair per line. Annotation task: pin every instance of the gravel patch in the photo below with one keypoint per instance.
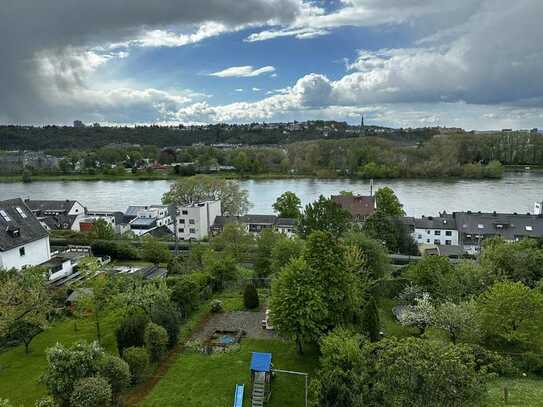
x,y
249,321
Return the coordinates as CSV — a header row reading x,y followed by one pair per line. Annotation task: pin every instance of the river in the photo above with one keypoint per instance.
x,y
515,192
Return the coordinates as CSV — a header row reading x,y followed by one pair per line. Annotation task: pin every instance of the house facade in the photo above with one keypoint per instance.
x,y
144,219
255,224
56,214
360,207
24,242
440,230
194,221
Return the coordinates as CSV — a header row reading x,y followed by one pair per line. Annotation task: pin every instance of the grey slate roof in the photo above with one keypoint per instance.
x,y
59,222
447,222
49,205
510,226
29,228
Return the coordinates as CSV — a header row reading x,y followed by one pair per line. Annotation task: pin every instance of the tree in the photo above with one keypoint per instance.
x,y
234,200
144,295
417,372
97,295
234,241
325,215
512,312
66,366
518,261
297,307
25,304
284,250
420,315
265,243
154,251
221,269
288,205
374,262
117,373
130,331
250,297
370,320
167,316
91,392
156,341
433,274
326,256
388,203
457,320
102,230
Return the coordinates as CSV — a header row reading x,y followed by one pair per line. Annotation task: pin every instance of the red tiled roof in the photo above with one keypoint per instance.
x,y
358,206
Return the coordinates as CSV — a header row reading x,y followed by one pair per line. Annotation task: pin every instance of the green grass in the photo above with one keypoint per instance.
x,y
198,380
526,392
389,325
20,373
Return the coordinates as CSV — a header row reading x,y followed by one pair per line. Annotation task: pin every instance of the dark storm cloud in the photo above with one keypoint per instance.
x,y
28,27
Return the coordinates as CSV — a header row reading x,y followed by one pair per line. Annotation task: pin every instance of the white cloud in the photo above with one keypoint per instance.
x,y
243,71
239,90
256,89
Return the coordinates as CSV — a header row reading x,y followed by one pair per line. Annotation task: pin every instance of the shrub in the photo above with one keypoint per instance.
x,y
91,392
130,331
167,316
185,293
216,306
117,372
5,403
156,340
138,360
250,297
66,366
45,402
531,362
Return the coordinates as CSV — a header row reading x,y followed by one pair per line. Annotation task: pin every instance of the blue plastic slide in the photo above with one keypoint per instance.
x,y
238,397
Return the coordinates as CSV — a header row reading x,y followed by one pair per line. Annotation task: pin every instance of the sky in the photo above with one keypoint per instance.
x,y
475,64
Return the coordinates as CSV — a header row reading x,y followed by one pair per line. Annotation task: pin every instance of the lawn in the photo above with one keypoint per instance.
x,y
20,373
522,393
198,380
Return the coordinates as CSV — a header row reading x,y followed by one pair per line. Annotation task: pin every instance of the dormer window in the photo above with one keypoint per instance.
x,y
14,232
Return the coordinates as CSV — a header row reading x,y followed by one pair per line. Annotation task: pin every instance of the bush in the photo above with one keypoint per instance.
x,y
216,306
66,366
167,316
138,360
91,392
117,250
250,297
531,362
117,372
156,341
45,402
185,293
130,331
5,403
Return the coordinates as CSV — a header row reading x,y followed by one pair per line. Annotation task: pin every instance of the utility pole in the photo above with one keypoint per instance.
x,y
362,128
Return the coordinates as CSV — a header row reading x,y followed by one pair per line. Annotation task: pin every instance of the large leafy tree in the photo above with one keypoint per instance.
x,y
374,261
325,215
154,251
459,321
388,203
297,307
102,230
284,250
265,243
288,205
518,261
25,304
434,274
234,241
234,200
512,313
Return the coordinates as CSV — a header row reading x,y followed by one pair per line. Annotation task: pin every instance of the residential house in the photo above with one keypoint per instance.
x,y
257,223
57,215
116,219
63,264
194,221
430,230
474,227
360,207
23,240
143,219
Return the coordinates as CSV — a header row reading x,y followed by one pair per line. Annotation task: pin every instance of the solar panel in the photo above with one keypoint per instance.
x,y
21,212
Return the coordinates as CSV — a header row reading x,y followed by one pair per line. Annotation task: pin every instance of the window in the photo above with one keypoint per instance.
x,y
22,251
192,231
181,230
437,232
191,221
419,237
21,212
448,233
184,212
448,242
5,215
182,221
428,232
529,228
427,240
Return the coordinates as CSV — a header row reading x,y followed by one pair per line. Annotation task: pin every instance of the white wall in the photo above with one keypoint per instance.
x,y
428,236
77,209
36,253
202,215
